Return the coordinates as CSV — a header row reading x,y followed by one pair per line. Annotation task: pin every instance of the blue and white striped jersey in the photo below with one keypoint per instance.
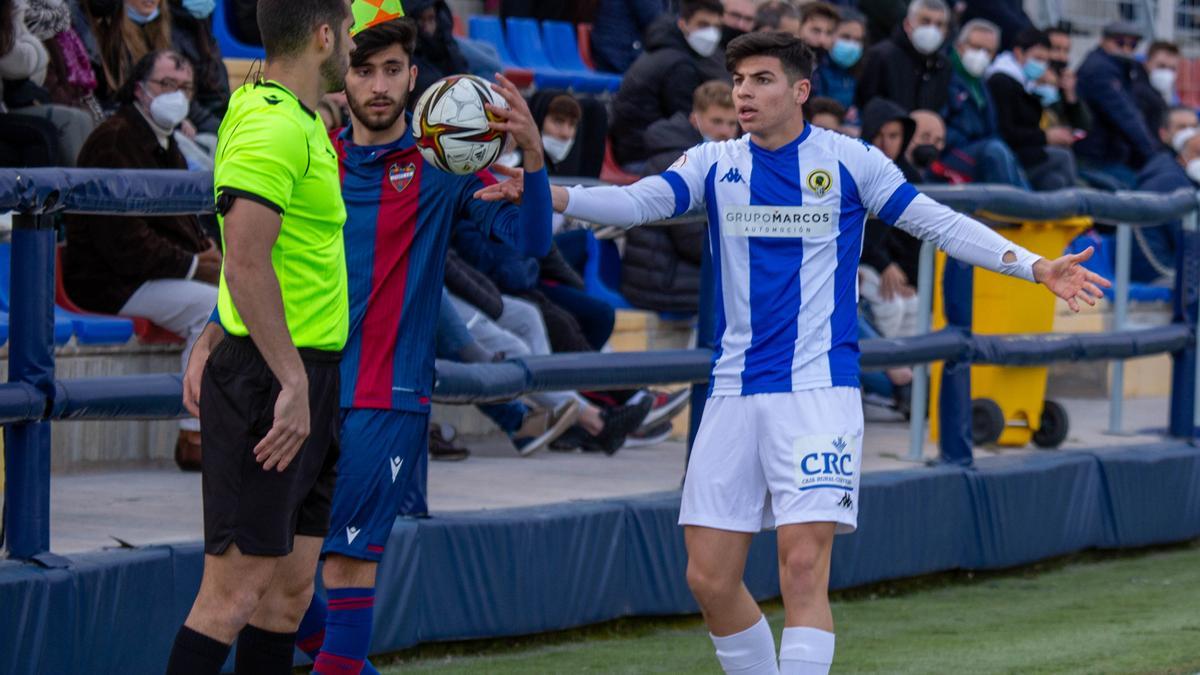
x,y
786,234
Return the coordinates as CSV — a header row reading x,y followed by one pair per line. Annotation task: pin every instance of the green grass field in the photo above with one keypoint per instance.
x,y
1135,613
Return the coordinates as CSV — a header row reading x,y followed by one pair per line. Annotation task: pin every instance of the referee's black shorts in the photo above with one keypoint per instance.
x,y
261,511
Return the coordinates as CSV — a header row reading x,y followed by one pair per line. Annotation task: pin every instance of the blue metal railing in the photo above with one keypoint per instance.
x,y
33,398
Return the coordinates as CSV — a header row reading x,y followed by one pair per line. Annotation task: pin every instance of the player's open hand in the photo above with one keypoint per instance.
x,y
1071,281
517,120
509,190
289,430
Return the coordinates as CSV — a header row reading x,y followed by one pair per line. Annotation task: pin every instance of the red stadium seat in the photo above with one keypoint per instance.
x,y
584,34
460,28
146,331
612,172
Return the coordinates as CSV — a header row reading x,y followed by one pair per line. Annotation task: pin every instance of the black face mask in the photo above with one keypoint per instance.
x,y
924,155
1058,66
728,34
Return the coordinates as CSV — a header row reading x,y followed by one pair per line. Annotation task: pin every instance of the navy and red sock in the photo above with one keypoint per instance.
x,y
348,622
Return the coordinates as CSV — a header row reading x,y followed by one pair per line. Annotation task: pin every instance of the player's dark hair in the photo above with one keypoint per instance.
x,y
368,43
795,57
287,25
1031,37
688,8
143,68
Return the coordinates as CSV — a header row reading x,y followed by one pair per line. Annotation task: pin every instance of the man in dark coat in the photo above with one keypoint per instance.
x,y
162,268
617,31
908,68
438,54
1153,258
1119,142
192,35
660,83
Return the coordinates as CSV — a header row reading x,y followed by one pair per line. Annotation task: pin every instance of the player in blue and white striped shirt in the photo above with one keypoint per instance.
x,y
780,441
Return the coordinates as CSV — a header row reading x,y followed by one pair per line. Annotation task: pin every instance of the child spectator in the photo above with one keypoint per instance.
x,y
712,118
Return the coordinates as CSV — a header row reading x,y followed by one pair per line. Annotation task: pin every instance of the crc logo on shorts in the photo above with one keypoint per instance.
x,y
400,176
825,461
819,181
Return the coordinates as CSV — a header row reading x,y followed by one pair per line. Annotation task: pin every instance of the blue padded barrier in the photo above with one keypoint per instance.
x,y
528,570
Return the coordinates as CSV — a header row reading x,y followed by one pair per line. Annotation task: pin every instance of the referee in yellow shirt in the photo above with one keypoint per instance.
x,y
269,394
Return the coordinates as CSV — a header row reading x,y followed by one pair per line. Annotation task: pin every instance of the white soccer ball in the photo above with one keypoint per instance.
x,y
450,124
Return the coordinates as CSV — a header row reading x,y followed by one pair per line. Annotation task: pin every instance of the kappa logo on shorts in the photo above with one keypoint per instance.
x,y
846,502
825,461
397,462
351,533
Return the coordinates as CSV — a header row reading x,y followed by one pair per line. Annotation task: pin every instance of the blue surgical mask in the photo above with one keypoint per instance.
x,y
201,9
1033,69
138,18
1048,93
846,53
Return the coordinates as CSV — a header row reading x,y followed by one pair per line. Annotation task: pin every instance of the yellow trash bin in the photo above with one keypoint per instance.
x,y
1009,405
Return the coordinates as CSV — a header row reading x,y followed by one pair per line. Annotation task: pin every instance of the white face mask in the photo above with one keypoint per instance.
x,y
976,61
1163,81
704,41
509,159
169,110
1193,170
557,148
927,38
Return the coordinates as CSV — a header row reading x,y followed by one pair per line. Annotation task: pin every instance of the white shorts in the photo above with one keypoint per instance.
x,y
767,460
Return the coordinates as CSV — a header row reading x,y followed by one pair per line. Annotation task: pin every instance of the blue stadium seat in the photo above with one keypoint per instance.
x,y
62,326
602,272
563,50
488,29
96,329
1103,262
231,47
3,328
525,43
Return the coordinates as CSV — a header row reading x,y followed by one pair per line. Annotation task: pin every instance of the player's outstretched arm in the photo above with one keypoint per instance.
x,y
1067,278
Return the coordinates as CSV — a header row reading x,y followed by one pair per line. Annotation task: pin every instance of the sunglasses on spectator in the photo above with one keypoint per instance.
x,y
1126,42
170,86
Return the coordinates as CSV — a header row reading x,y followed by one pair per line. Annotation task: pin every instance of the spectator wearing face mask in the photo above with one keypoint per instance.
x,y
140,27
908,68
678,58
1178,119
162,268
1044,153
660,269
777,16
924,152
1119,142
840,68
1153,259
192,36
1155,93
1057,89
973,143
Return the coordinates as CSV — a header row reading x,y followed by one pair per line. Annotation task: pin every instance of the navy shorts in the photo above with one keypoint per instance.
x,y
380,475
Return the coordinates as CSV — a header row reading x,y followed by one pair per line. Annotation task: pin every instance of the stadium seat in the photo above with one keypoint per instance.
x,y
62,326
1103,262
611,172
89,328
460,29
3,328
231,47
525,44
487,29
602,272
583,33
559,38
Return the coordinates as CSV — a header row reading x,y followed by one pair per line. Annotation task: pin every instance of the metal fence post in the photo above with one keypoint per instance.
x,y
1185,376
1116,401
705,327
31,361
954,402
920,384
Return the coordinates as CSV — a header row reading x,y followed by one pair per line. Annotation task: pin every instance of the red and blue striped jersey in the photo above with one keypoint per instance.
x,y
399,215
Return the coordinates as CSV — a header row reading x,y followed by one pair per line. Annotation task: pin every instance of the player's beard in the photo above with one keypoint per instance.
x,y
375,121
333,68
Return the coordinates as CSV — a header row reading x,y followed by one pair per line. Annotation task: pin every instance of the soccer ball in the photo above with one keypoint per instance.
x,y
450,124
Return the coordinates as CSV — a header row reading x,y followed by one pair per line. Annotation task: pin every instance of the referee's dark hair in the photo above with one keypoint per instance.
x,y
379,37
795,57
287,25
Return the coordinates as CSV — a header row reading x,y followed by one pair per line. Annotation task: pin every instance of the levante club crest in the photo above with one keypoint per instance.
x,y
401,176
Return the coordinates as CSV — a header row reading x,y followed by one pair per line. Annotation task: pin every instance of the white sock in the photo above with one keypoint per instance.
x,y
805,651
750,652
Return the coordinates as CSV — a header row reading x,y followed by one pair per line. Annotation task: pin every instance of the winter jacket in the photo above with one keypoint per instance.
x,y
28,59
108,257
1119,133
512,270
1150,103
473,286
660,270
835,82
883,244
894,69
1018,111
437,55
618,29
193,38
1161,173
1009,15
666,140
659,84
970,113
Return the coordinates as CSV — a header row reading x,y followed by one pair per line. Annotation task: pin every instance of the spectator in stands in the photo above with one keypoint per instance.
x,y
661,82
1012,80
618,29
908,67
1153,259
660,270
24,64
777,16
162,268
70,80
24,141
973,143
737,20
1009,15
1155,90
841,66
1177,119
825,113
712,118
1119,142
818,20
142,26
557,115
883,17
192,36
438,54
928,143
1060,48
1061,104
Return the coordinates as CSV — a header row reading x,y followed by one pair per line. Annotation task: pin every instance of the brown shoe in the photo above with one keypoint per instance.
x,y
187,451
443,450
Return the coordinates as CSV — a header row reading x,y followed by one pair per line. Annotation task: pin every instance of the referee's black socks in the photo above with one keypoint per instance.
x,y
196,654
263,652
